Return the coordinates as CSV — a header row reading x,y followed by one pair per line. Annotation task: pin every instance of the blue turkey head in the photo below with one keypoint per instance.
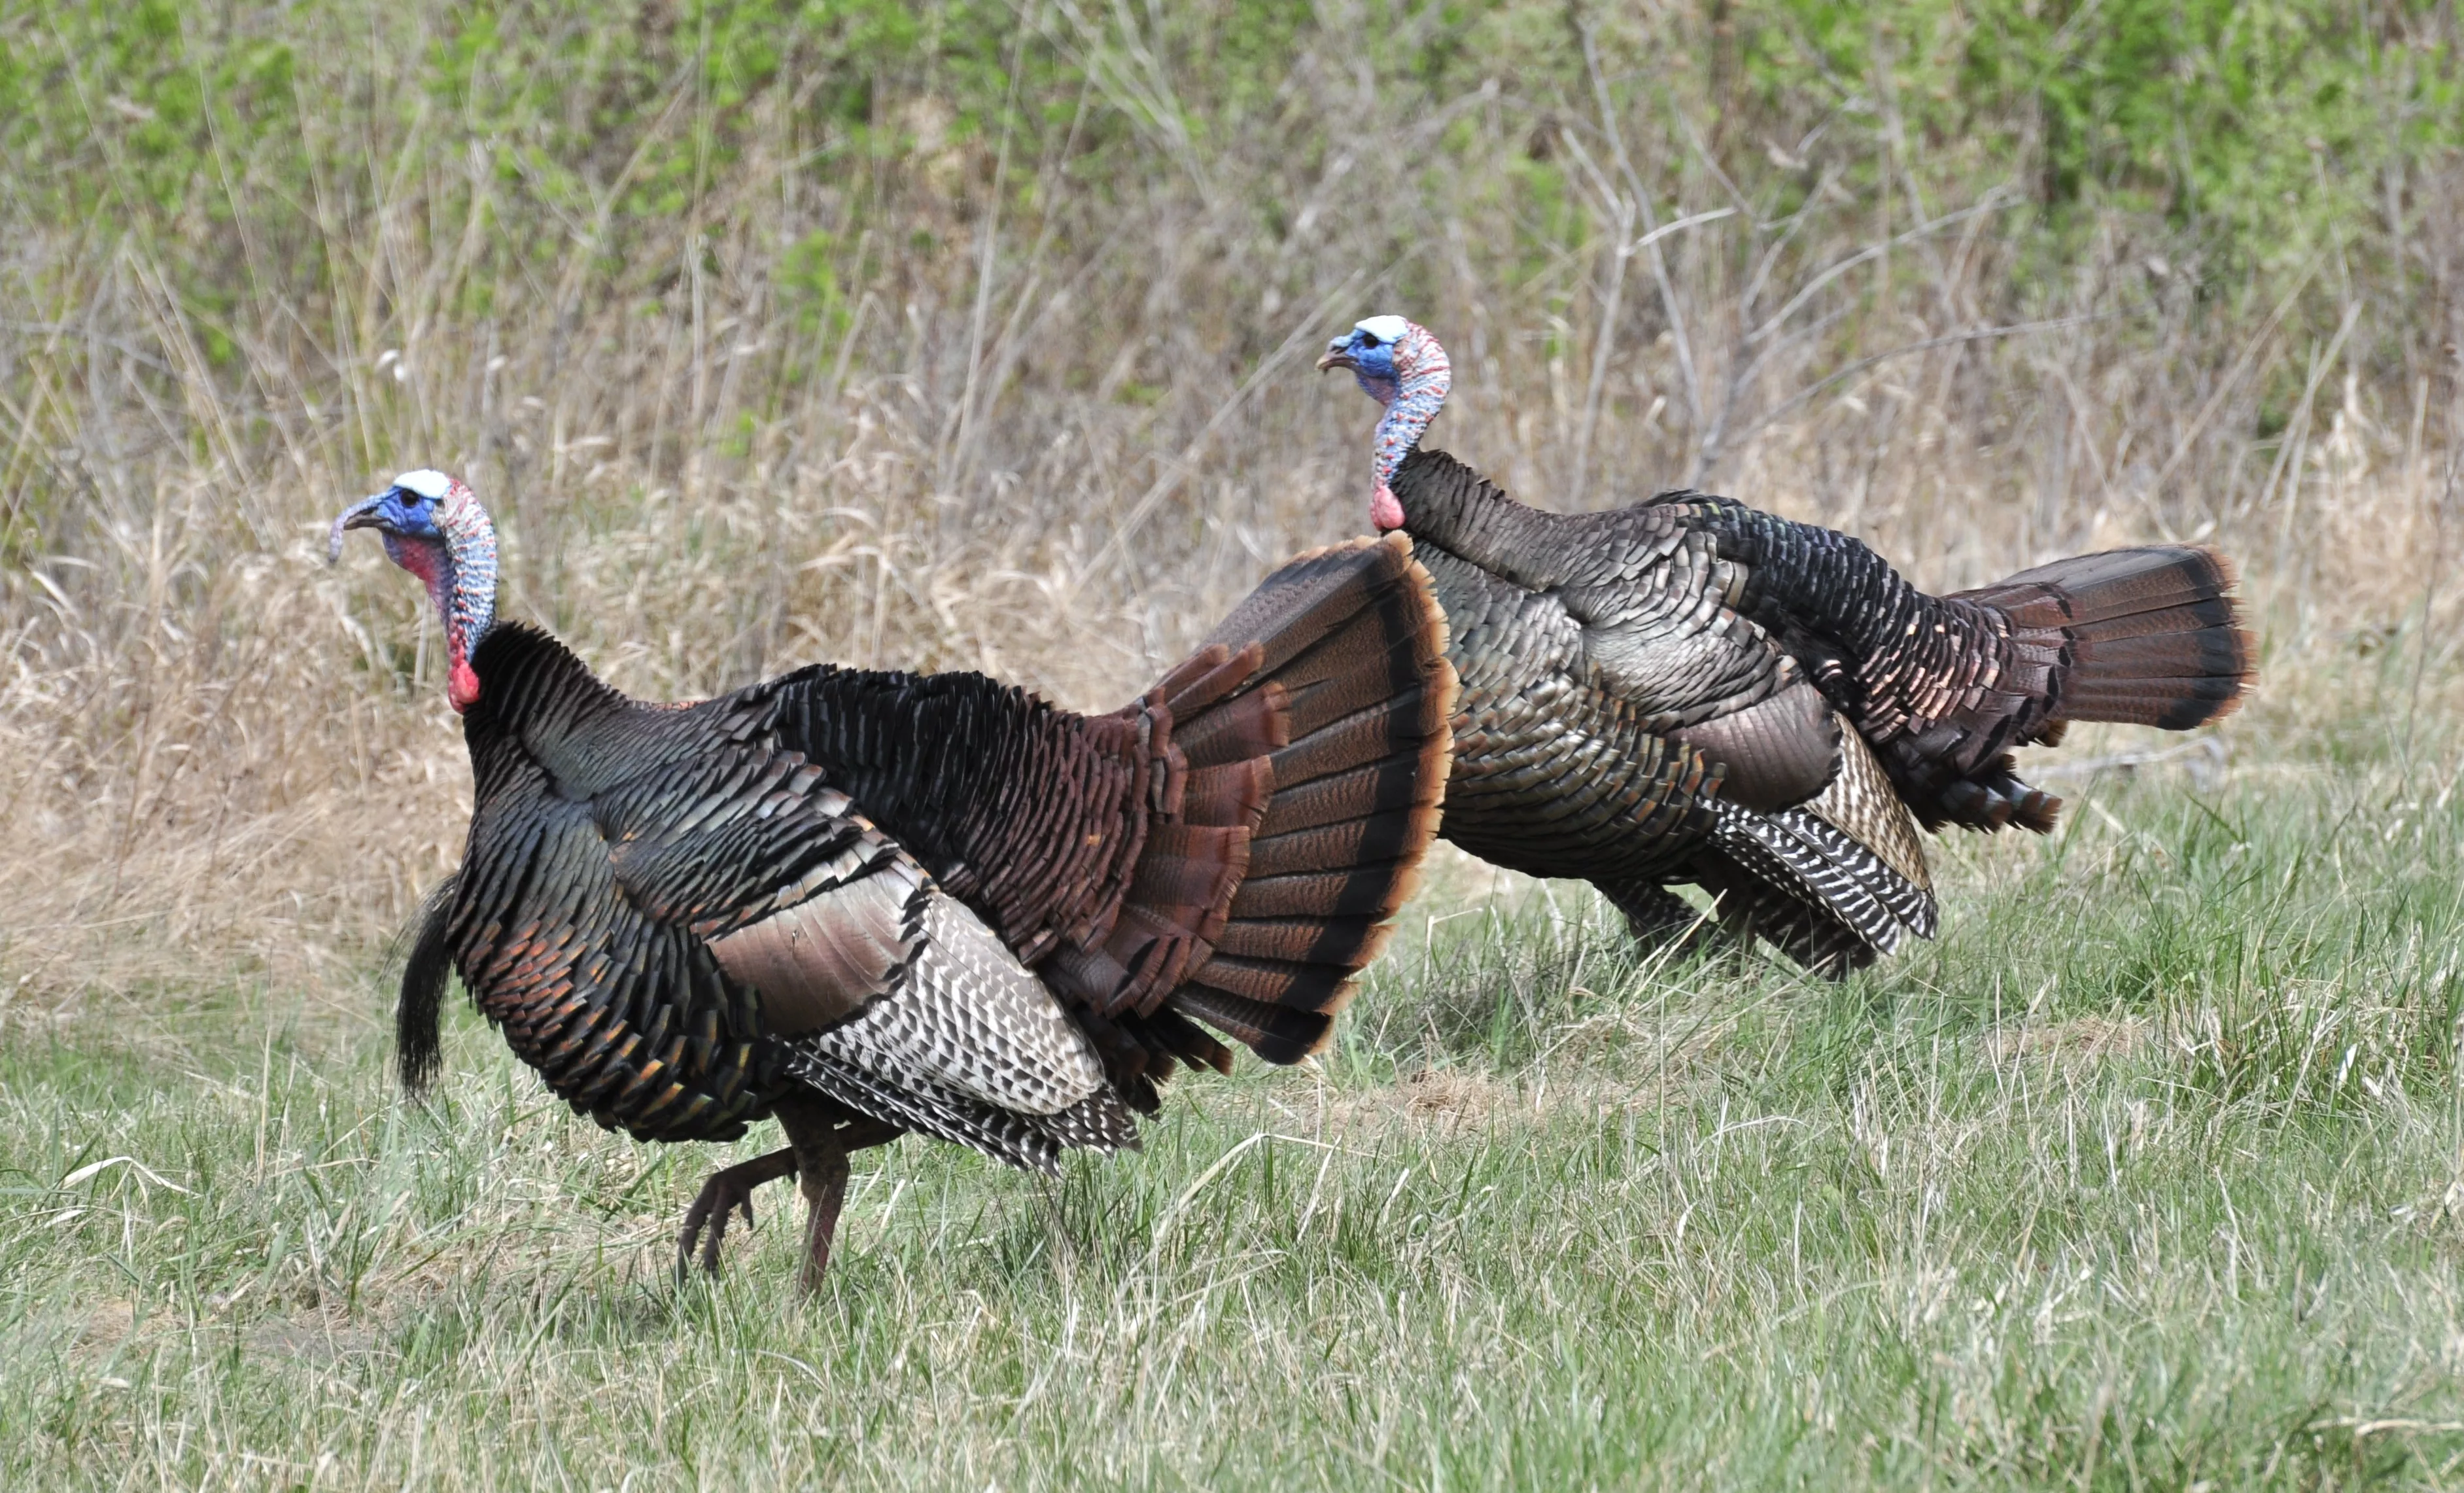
x,y
1368,350
433,527
407,510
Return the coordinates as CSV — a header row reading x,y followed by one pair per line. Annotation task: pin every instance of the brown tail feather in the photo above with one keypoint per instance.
x,y
1265,1028
1372,838
2209,654
2174,704
1355,757
2151,636
1305,745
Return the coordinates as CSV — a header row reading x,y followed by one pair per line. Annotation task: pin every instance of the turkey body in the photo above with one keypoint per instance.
x,y
1687,689
934,903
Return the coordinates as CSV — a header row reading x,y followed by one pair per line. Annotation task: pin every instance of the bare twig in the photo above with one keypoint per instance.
x,y
1795,401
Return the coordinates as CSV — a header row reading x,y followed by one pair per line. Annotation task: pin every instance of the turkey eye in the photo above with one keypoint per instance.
x,y
1369,338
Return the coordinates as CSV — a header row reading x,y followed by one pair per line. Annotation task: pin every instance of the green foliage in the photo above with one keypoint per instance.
x,y
583,103
137,106
2261,127
808,279
2259,130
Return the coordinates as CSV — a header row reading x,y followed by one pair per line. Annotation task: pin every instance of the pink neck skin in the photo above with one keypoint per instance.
x,y
429,560
1423,377
1385,510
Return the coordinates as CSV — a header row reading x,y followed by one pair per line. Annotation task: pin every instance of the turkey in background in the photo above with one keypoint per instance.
x,y
1689,689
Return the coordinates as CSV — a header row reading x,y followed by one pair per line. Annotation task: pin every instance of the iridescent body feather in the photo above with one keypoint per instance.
x,y
1688,689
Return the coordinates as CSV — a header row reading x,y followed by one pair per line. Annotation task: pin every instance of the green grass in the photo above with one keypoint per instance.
x,y
2147,1175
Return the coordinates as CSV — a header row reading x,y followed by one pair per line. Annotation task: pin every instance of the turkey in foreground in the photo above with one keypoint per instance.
x,y
868,902
1690,690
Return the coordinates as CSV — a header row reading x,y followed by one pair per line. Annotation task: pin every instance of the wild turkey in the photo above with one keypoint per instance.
x,y
865,902
1689,689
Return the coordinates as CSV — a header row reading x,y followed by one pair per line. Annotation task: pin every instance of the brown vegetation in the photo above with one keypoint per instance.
x,y
1053,423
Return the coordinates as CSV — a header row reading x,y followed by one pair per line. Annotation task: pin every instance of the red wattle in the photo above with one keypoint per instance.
x,y
461,685
1384,510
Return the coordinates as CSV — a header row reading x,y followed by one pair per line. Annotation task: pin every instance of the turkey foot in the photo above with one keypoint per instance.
x,y
820,1139
725,1191
1658,919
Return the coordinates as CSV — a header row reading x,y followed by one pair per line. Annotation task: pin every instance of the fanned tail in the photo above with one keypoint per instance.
x,y
1308,753
1353,640
2149,636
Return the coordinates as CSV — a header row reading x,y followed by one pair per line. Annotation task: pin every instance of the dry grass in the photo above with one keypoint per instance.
x,y
1054,423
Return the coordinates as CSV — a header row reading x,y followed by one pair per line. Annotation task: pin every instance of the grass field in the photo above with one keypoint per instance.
x,y
976,334
2150,1174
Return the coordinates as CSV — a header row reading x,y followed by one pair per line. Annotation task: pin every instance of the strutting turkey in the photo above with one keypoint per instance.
x,y
1689,689
866,902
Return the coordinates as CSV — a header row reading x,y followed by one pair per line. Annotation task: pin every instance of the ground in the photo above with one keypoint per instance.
x,y
2147,1175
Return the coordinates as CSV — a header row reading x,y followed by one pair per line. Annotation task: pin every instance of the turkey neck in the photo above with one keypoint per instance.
x,y
1448,505
537,696
461,577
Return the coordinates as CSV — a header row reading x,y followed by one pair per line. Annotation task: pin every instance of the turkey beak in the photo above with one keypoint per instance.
x,y
1338,354
361,514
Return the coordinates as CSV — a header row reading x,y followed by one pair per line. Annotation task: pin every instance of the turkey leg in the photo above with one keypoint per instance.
x,y
730,1190
1657,918
820,1136
724,1193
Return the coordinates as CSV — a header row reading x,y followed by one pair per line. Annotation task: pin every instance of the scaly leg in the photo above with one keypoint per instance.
x,y
820,1136
725,1191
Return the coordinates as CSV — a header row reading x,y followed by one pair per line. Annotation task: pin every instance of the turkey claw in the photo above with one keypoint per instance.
x,y
722,1193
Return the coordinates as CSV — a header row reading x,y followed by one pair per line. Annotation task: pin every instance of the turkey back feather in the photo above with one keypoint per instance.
x,y
1943,688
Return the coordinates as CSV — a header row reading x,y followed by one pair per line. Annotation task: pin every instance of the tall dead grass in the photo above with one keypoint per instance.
x,y
1055,423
